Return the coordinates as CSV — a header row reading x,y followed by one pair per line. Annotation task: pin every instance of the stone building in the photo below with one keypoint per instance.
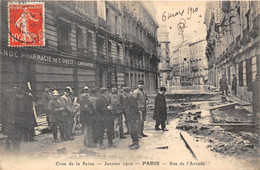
x,y
164,55
93,43
233,43
198,62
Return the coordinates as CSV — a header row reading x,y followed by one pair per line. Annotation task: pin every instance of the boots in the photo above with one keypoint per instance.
x,y
134,146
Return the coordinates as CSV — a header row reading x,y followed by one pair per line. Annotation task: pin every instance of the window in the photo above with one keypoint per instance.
x,y
249,72
79,39
240,74
64,30
100,47
109,48
89,42
118,50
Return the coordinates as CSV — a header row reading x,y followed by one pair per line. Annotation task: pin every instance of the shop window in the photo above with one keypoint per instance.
x,y
89,42
240,74
64,30
249,72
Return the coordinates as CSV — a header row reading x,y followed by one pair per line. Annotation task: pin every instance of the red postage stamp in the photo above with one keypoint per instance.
x,y
26,24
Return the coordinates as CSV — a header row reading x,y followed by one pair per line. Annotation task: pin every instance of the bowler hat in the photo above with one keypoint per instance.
x,y
163,89
85,88
68,89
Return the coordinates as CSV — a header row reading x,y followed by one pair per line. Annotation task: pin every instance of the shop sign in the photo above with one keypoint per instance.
x,y
45,58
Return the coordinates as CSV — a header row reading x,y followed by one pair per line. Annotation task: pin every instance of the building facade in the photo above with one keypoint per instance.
x,y
189,62
198,62
93,43
164,55
233,43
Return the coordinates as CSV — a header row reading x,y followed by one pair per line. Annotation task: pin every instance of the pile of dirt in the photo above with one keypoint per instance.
x,y
225,142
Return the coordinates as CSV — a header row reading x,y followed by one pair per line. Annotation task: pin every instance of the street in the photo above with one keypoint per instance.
x,y
159,149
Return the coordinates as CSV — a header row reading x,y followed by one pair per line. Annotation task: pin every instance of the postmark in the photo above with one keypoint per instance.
x,y
26,24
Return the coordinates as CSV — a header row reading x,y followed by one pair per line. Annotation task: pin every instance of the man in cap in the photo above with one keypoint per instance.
x,y
142,101
87,117
116,101
105,119
133,115
160,110
45,98
67,113
55,108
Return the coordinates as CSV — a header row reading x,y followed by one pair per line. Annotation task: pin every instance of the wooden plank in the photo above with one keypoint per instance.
x,y
188,140
223,106
230,124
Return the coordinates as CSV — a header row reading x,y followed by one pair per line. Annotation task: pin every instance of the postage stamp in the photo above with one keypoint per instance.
x,y
26,24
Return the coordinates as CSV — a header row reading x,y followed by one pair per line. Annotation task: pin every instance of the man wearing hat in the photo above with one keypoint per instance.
x,y
105,119
133,115
55,108
223,84
160,110
142,100
87,117
67,113
116,101
234,84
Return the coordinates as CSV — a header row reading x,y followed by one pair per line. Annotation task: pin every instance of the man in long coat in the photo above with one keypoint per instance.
x,y
105,119
160,110
234,84
223,85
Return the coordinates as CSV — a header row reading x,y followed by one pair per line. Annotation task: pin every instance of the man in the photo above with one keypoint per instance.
x,y
105,119
223,85
116,101
125,94
9,111
160,110
142,101
234,84
87,117
55,108
255,87
133,115
67,113
46,97
30,119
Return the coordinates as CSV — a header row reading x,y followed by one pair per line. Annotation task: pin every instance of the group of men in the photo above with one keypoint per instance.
x,y
99,113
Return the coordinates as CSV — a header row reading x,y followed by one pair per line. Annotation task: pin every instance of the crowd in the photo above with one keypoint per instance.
x,y
97,112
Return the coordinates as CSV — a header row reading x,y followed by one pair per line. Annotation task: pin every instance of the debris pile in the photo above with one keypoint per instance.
x,y
242,143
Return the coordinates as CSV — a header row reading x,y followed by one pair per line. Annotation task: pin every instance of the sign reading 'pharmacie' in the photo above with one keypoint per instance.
x,y
44,58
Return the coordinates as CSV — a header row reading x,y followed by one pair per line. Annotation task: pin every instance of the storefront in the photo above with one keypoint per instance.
x,y
42,69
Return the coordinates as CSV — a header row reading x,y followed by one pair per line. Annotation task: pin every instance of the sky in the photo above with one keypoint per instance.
x,y
188,15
